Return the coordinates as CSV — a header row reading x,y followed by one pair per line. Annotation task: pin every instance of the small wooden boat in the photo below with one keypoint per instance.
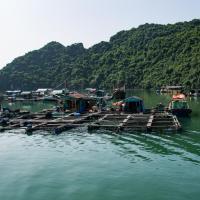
x,y
179,106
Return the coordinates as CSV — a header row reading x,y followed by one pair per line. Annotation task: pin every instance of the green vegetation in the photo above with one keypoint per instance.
x,y
145,57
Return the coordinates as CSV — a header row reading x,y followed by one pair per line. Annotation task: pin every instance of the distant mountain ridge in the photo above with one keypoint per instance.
x,y
145,57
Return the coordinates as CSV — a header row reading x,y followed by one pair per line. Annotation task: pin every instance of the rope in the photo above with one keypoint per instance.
x,y
59,85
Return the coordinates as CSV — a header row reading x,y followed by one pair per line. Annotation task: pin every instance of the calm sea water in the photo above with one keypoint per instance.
x,y
77,165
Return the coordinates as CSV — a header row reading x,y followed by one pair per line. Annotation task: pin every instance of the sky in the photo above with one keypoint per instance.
x,y
26,25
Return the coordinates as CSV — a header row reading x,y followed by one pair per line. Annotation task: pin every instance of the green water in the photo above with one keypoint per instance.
x,y
77,165
33,106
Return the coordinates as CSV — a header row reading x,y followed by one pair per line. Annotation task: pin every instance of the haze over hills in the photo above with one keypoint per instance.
x,y
149,56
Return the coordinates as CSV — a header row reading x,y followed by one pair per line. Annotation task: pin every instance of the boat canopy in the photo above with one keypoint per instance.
x,y
178,96
132,99
133,104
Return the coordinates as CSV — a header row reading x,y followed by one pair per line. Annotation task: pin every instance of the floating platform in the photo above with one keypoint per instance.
x,y
99,120
137,122
42,99
41,121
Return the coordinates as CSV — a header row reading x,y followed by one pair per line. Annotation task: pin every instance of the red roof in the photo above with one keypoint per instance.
x,y
77,95
178,96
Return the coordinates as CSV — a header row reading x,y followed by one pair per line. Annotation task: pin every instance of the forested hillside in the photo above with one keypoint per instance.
x,y
145,57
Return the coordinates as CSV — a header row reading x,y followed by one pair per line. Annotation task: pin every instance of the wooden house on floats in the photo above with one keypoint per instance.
x,y
77,102
26,95
13,93
42,92
172,89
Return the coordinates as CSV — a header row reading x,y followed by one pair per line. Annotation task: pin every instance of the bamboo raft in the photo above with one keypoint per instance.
x,y
99,120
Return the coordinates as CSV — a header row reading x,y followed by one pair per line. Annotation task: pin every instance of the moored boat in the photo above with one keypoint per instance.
x,y
179,106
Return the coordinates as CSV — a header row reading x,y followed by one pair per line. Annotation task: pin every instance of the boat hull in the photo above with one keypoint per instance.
x,y
181,112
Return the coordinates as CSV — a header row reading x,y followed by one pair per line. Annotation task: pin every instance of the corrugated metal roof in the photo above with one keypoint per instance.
x,y
26,93
57,92
42,89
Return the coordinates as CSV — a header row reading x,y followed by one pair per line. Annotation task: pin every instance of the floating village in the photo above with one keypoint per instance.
x,y
95,109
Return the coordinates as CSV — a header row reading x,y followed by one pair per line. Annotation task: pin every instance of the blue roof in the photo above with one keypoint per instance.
x,y
133,99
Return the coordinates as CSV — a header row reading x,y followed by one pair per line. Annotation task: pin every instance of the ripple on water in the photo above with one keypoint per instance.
x,y
146,147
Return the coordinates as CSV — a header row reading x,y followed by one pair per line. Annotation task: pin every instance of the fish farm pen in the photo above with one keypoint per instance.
x,y
114,121
137,122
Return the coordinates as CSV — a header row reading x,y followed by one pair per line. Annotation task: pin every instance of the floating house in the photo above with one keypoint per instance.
x,y
172,89
57,92
26,94
77,102
55,95
42,91
133,105
12,93
95,92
